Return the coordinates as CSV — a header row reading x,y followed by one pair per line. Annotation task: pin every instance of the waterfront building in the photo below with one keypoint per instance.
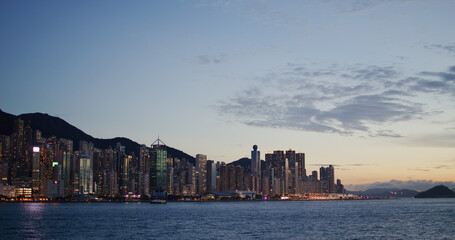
x,y
64,158
201,169
158,169
191,180
36,170
256,168
144,169
5,147
327,177
170,175
290,171
55,189
7,190
278,171
98,176
85,167
211,176
301,171
224,178
340,187
239,178
20,166
123,169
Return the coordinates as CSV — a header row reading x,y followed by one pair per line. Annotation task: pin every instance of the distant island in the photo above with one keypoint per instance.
x,y
440,191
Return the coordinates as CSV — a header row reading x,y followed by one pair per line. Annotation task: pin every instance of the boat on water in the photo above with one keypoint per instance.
x,y
158,201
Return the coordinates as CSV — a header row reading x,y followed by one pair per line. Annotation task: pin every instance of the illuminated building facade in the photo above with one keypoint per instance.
x,y
256,168
158,169
36,170
211,176
201,169
85,167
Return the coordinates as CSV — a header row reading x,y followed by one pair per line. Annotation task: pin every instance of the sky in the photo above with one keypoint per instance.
x,y
367,86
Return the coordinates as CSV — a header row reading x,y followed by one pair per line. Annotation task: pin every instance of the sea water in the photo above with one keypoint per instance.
x,y
337,219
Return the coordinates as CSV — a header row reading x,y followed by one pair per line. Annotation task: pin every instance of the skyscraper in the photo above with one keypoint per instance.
x,y
123,164
301,171
256,167
291,171
158,169
201,169
85,167
211,176
276,162
144,169
36,170
327,176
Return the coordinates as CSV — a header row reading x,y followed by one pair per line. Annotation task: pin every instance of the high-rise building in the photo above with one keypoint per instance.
x,y
124,173
123,165
211,176
61,164
231,178
291,171
239,174
301,171
191,179
144,169
224,178
85,167
340,187
201,169
5,146
36,170
20,166
158,169
256,167
327,177
278,175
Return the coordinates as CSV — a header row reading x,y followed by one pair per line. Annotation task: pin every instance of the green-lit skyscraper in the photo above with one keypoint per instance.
x,y
158,170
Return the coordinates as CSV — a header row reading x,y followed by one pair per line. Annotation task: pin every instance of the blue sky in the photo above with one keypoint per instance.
x,y
368,86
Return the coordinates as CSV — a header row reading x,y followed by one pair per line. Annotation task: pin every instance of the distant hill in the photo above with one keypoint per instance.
x,y
440,191
246,163
54,126
385,193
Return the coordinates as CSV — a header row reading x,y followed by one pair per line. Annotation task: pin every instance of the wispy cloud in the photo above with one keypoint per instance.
x,y
212,59
419,185
338,99
385,133
419,169
444,167
449,48
353,6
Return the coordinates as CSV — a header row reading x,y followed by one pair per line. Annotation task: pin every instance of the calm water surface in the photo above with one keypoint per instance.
x,y
369,219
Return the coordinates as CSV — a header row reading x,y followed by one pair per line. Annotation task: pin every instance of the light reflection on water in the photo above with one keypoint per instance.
x,y
32,214
375,219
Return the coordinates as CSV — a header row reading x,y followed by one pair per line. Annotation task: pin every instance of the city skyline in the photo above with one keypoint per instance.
x,y
367,86
37,166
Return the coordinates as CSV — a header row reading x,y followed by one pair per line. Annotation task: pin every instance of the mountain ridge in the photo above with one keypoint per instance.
x,y
55,126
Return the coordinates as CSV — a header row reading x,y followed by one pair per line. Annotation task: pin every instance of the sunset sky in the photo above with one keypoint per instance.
x,y
368,86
